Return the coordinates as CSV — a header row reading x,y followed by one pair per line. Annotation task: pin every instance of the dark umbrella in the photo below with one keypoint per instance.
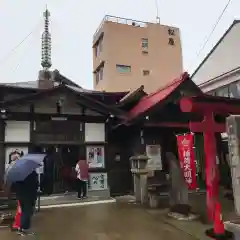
x,y
21,168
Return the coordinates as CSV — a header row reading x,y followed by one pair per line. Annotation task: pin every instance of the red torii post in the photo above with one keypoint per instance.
x,y
208,127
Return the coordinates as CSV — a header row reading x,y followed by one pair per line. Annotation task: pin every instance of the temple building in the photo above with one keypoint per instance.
x,y
66,121
56,116
70,123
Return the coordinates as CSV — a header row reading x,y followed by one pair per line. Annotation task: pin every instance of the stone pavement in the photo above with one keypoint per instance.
x,y
194,228
112,221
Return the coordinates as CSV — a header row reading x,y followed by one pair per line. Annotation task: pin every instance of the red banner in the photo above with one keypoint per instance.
x,y
186,158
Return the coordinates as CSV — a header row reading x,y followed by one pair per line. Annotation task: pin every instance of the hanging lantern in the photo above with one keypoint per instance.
x,y
56,149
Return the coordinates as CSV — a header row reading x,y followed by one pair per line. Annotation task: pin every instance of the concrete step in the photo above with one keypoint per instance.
x,y
72,200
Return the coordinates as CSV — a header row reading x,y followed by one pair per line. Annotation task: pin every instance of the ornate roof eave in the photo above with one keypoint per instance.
x,y
132,98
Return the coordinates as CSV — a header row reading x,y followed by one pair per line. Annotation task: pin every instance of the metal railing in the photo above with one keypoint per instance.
x,y
127,21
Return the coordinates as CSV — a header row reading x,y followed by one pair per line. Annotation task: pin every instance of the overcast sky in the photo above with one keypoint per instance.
x,y
73,23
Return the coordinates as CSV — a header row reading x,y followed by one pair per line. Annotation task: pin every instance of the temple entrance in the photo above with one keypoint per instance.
x,y
59,139
59,164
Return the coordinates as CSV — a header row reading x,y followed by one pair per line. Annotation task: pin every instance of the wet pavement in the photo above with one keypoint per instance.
x,y
112,221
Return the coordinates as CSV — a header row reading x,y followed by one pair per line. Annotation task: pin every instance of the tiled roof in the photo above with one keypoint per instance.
x,y
30,84
34,85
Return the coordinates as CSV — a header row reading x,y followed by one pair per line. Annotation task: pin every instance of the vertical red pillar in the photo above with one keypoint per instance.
x,y
208,127
211,172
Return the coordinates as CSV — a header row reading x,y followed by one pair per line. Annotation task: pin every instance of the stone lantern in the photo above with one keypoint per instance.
x,y
140,172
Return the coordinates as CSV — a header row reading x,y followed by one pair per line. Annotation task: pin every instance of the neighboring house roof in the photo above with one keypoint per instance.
x,y
221,81
212,50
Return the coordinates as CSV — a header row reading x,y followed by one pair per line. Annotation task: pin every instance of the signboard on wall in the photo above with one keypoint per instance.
x,y
97,181
154,154
94,132
95,156
14,152
57,131
17,131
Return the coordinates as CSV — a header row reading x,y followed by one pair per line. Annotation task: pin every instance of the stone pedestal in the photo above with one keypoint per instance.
x,y
233,130
234,229
153,201
139,170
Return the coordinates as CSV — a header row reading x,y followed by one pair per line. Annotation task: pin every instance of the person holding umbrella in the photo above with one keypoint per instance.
x,y
22,174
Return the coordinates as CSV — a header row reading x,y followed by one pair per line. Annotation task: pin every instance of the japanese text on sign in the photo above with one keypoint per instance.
x,y
186,158
187,167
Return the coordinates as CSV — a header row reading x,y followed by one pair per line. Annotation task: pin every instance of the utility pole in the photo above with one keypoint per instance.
x,y
157,12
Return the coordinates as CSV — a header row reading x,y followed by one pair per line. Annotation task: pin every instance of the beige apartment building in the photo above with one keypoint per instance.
x,y
129,53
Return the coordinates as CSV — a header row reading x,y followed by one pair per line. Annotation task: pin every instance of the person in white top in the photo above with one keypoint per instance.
x,y
82,178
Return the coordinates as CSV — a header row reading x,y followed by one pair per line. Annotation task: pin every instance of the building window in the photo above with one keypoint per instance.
x,y
99,75
222,92
171,41
123,68
98,48
145,43
171,32
234,90
146,72
212,93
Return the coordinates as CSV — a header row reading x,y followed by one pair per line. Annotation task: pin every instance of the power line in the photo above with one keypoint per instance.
x,y
22,57
211,33
18,45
